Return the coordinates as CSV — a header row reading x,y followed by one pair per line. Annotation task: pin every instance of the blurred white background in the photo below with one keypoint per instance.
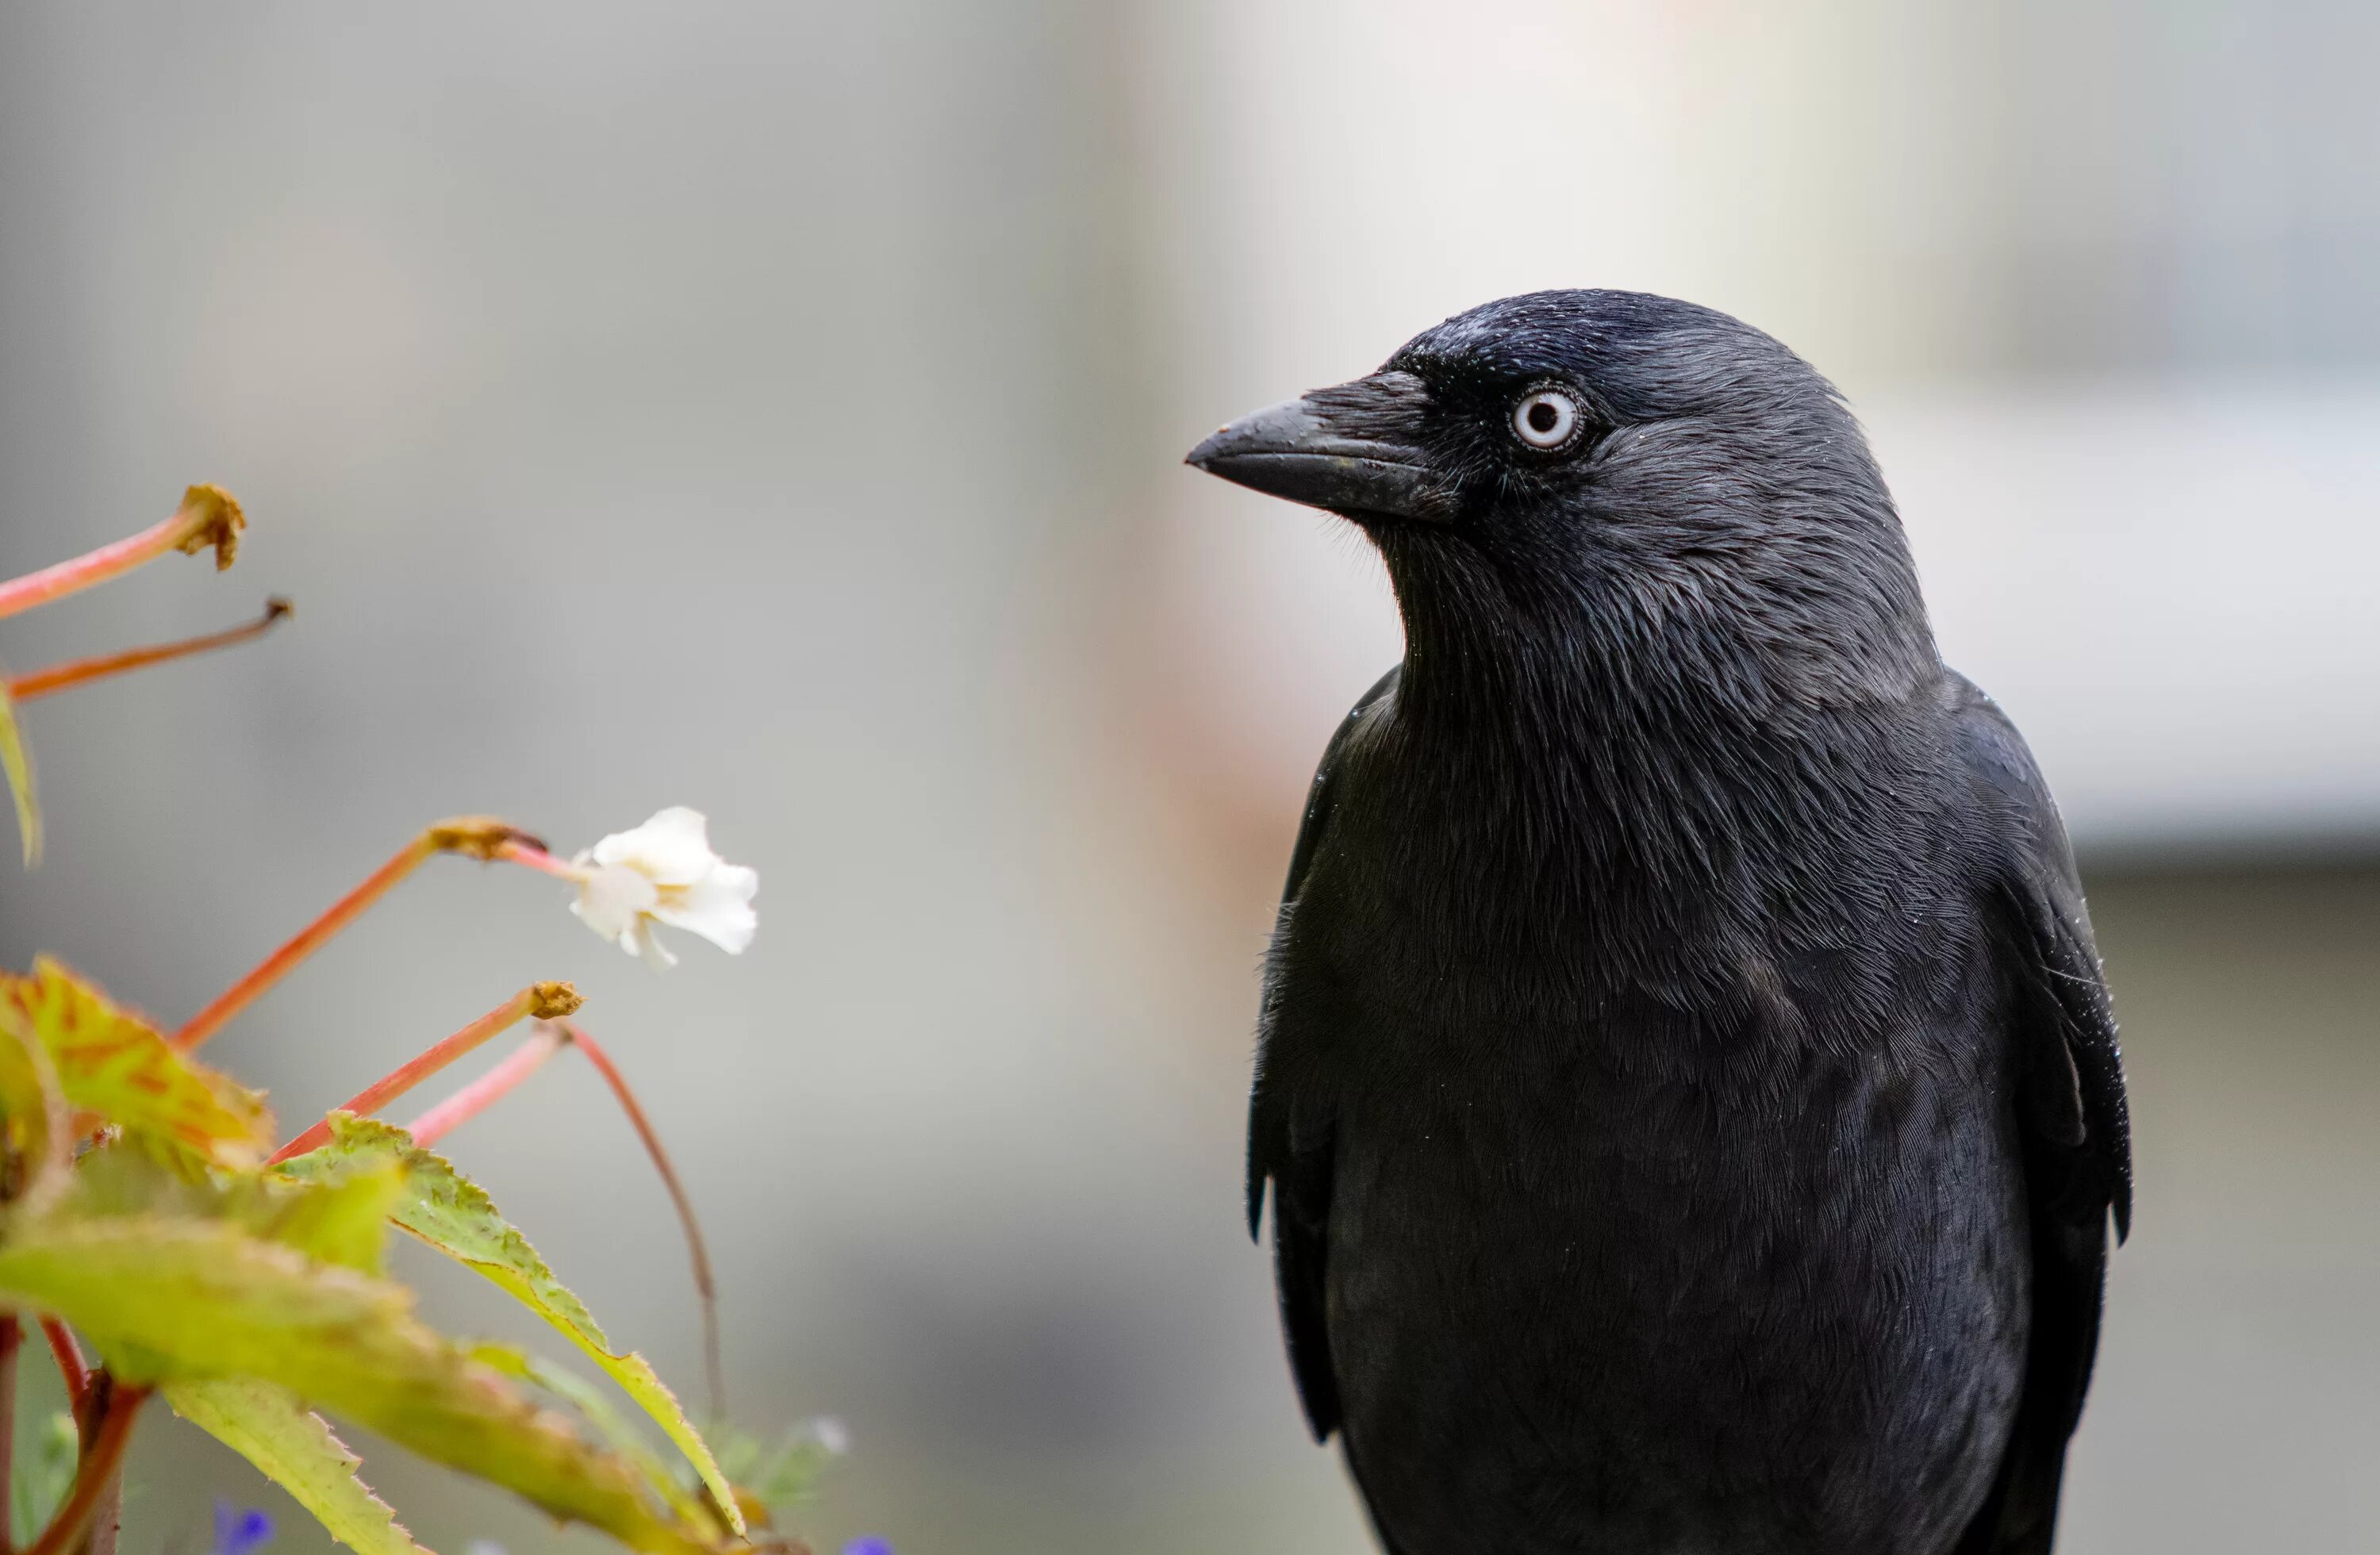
x,y
777,410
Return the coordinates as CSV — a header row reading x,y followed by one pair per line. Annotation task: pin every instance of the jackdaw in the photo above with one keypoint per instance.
x,y
1685,1078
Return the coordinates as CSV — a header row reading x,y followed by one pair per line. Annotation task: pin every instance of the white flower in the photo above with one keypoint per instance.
x,y
665,872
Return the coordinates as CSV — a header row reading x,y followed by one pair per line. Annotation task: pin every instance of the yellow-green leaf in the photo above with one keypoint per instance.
x,y
597,1412
341,1221
297,1451
178,1300
34,1127
345,1222
115,1068
455,1215
17,763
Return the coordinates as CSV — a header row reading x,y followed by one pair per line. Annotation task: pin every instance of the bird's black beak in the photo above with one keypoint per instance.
x,y
1353,449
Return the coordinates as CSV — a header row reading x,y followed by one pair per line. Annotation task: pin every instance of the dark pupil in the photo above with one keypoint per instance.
x,y
1542,417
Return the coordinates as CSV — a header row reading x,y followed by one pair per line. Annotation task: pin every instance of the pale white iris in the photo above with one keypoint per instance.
x,y
1546,419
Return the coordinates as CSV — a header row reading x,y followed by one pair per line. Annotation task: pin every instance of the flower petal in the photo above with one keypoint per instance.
x,y
649,945
718,907
613,899
240,1531
672,848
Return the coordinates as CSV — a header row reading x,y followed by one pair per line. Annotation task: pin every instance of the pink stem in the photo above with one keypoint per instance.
x,y
207,515
529,854
489,1088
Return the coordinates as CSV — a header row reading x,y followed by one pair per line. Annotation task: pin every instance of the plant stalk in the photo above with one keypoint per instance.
x,y
544,1000
517,1066
489,1088
12,1339
532,855
35,685
72,1368
476,836
207,516
106,1419
713,1366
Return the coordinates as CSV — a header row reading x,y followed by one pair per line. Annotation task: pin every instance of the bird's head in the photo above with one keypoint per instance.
x,y
1614,483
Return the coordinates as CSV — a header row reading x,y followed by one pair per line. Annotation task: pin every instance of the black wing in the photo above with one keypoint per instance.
x,y
1293,1152
2072,1113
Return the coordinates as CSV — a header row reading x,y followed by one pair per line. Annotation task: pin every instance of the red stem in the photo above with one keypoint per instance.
x,y
546,1000
714,1369
273,967
12,1337
37,684
96,1476
478,836
72,1367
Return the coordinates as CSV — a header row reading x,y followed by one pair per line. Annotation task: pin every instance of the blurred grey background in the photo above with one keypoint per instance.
x,y
776,409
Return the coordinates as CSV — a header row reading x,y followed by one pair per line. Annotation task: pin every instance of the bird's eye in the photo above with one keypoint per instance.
x,y
1546,419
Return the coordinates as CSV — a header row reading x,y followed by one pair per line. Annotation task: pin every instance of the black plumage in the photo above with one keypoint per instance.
x,y
1688,1094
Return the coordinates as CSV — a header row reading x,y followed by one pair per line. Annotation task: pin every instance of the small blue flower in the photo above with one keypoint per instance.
x,y
871,1545
240,1530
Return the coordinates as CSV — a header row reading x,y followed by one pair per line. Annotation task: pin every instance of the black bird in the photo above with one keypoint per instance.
x,y
1688,1090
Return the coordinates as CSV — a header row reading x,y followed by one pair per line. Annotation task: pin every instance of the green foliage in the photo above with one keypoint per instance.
x,y
34,1123
43,1475
776,1475
169,1300
17,764
243,1292
294,1448
138,1206
683,1494
343,1222
455,1215
115,1068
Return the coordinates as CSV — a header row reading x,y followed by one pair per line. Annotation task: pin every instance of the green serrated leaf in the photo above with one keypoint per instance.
x,y
115,1068
297,1451
455,1215
17,763
173,1300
